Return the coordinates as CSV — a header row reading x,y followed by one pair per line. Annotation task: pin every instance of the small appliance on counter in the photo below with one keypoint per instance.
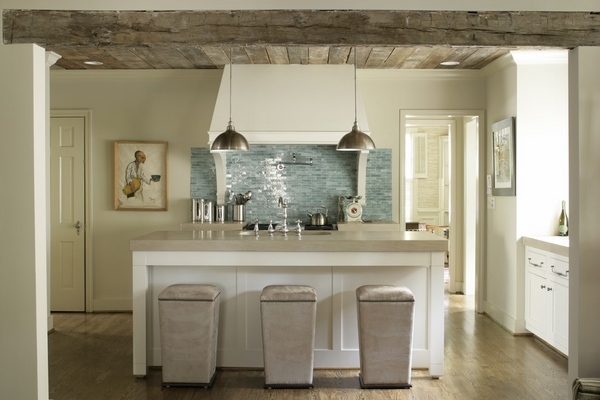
x,y
354,210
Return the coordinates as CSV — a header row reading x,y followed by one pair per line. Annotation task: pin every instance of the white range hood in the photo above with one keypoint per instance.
x,y
289,104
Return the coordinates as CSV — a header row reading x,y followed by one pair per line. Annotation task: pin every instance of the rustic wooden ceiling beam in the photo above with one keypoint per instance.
x,y
300,27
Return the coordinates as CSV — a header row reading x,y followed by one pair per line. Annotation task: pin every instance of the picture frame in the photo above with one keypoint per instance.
x,y
140,176
504,158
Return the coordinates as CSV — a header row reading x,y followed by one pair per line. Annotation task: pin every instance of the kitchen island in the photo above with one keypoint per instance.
x,y
334,263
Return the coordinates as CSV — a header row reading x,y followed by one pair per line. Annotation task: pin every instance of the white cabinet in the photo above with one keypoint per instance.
x,y
547,297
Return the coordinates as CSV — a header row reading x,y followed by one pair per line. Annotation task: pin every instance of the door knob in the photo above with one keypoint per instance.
x,y
78,226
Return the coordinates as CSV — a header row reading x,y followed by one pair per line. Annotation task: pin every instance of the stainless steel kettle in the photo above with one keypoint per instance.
x,y
318,218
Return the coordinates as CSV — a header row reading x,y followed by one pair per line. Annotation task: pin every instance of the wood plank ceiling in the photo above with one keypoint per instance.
x,y
383,39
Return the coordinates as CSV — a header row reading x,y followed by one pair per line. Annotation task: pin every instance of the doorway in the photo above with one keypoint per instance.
x,y
455,187
69,222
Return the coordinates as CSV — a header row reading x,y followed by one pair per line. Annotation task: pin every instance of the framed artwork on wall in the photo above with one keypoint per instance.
x,y
140,176
504,158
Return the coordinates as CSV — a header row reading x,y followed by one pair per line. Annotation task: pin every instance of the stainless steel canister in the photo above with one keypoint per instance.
x,y
239,212
221,213
208,212
197,209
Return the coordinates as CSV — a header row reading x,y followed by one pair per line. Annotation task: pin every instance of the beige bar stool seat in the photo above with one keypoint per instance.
x,y
189,320
288,317
385,333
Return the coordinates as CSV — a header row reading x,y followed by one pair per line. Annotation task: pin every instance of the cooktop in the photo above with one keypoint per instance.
x,y
328,227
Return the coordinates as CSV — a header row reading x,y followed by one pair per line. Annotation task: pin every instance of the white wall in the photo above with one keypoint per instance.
x,y
175,106
542,140
542,152
535,91
501,236
23,299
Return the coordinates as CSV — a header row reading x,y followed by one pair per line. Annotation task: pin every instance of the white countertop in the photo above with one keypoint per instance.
x,y
368,226
311,241
554,244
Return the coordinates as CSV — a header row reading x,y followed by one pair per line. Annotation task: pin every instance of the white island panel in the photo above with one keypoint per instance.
x,y
241,276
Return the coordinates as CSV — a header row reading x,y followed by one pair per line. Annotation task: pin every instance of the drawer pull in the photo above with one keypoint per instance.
x,y
559,273
540,265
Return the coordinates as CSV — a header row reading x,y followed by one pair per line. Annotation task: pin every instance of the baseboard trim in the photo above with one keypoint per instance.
x,y
114,305
504,320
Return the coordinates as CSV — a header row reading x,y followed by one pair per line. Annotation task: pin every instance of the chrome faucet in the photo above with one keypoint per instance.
x,y
270,228
283,204
256,228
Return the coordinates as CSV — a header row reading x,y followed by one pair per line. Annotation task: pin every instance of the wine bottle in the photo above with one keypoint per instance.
x,y
563,222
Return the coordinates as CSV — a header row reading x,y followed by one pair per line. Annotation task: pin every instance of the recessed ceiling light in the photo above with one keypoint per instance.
x,y
450,63
93,63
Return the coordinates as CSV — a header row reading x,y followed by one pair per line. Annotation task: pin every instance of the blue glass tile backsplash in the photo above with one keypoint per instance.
x,y
305,187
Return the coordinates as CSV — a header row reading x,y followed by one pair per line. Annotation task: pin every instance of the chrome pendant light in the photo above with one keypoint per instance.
x,y
230,140
355,140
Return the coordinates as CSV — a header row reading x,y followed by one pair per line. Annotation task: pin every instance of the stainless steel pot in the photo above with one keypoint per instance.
x,y
318,218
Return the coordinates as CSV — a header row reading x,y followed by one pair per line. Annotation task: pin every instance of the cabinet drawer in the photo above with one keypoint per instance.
x,y
559,270
535,261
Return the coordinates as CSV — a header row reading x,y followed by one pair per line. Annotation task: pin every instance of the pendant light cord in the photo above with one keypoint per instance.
x,y
230,68
355,96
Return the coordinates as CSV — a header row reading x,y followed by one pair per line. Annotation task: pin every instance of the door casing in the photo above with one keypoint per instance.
x,y
479,198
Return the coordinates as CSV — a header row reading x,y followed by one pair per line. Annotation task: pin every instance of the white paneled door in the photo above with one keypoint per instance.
x,y
67,203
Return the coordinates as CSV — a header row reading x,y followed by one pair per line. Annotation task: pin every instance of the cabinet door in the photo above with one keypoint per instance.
x,y
559,320
558,290
536,305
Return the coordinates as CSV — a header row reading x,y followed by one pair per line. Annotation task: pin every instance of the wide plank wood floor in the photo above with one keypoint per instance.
x,y
90,357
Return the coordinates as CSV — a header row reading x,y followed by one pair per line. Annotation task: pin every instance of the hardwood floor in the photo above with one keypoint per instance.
x,y
90,358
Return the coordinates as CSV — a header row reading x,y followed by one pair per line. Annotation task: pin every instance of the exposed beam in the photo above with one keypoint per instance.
x,y
300,27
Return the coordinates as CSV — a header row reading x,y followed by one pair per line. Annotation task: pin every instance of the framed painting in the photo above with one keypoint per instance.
x,y
140,176
504,158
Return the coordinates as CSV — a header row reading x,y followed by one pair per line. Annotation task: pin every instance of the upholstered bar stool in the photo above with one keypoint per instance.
x,y
288,317
189,320
385,332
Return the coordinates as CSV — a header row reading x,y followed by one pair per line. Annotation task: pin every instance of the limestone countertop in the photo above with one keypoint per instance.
x,y
374,225
554,244
312,241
